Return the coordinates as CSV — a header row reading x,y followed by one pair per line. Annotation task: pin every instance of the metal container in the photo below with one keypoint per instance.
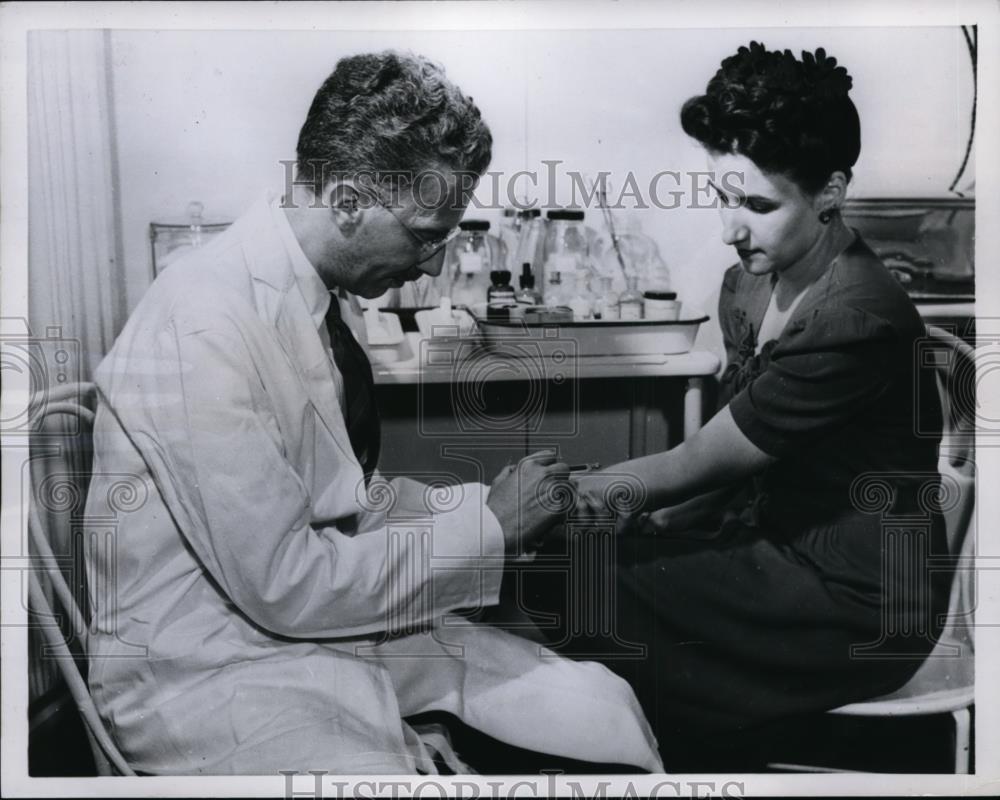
x,y
593,337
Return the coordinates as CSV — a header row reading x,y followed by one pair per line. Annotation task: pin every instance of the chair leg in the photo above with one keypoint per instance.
x,y
962,727
101,763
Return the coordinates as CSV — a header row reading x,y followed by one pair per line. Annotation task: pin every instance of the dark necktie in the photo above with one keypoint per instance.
x,y
361,415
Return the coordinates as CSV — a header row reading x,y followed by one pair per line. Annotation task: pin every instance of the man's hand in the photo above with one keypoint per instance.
x,y
528,499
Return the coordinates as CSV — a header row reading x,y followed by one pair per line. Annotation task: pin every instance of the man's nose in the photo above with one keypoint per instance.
x,y
734,229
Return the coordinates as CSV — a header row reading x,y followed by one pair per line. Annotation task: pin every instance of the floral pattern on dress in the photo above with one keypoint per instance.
x,y
748,364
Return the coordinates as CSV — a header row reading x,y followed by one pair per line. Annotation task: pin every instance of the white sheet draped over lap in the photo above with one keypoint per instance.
x,y
520,693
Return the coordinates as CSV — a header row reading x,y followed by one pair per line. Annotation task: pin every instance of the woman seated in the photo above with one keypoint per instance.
x,y
791,599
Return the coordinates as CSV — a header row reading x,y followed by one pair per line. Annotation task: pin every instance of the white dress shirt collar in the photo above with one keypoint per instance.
x,y
316,295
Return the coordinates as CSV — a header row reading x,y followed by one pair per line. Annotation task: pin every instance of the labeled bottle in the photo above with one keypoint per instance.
x,y
630,304
501,292
607,306
527,295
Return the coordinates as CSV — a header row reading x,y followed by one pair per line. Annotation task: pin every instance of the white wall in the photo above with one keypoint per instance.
x,y
210,115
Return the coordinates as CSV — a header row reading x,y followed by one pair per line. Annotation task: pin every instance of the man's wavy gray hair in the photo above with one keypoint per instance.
x,y
390,115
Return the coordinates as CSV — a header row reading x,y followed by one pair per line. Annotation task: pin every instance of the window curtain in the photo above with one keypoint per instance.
x,y
76,281
76,297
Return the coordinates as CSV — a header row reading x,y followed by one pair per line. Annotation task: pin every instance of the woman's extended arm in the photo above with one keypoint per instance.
x,y
718,455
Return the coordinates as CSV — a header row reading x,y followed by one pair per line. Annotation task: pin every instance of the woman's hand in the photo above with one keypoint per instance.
x,y
604,501
700,517
671,523
718,456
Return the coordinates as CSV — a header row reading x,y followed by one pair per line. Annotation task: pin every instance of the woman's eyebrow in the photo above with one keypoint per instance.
x,y
712,184
757,198
739,194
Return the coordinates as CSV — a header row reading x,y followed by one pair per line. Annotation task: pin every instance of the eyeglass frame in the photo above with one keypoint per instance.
x,y
428,248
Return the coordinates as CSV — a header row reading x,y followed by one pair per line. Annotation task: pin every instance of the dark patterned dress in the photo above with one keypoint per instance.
x,y
798,603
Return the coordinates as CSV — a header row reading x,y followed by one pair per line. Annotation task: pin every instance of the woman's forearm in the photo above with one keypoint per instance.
x,y
716,456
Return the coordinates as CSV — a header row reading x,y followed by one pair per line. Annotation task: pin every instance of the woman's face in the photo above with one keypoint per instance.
x,y
770,221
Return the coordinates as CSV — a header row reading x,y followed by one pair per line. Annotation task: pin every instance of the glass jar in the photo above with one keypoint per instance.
x,y
661,305
471,257
170,240
531,239
580,298
607,305
641,258
510,235
630,304
566,251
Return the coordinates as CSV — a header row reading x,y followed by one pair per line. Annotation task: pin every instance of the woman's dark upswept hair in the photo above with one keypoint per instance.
x,y
787,116
384,113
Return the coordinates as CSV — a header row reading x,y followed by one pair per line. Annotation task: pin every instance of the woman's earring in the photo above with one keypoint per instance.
x,y
826,215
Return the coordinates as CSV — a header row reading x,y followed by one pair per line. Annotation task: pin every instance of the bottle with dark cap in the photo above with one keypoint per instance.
x,y
566,251
501,293
527,295
531,240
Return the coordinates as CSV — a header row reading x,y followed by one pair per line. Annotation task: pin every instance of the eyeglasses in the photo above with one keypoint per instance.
x,y
428,248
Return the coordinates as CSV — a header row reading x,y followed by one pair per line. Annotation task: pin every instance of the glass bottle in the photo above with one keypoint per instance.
x,y
510,235
566,251
578,300
630,302
501,292
170,240
471,258
607,305
531,242
642,258
527,295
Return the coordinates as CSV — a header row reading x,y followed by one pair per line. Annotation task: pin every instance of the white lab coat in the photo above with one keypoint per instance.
x,y
250,581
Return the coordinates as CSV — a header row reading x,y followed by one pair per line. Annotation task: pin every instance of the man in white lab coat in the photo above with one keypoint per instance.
x,y
265,601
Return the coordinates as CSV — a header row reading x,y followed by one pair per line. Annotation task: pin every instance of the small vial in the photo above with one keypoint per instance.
x,y
527,295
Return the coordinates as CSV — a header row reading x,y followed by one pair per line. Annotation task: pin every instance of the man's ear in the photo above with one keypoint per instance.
x,y
345,204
